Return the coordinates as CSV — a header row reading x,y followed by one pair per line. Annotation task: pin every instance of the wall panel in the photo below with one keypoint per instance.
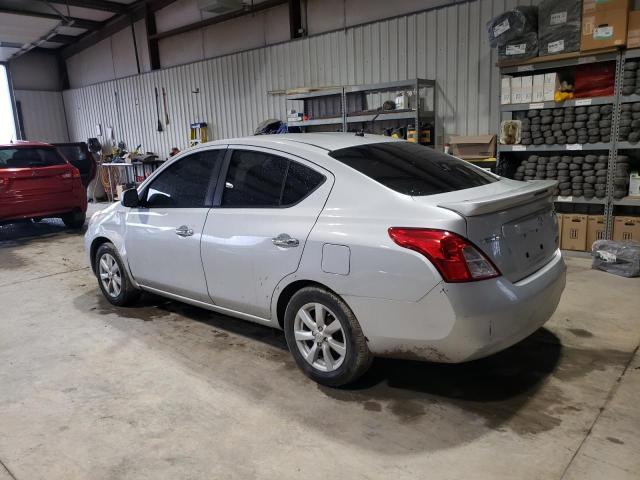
x,y
448,44
43,116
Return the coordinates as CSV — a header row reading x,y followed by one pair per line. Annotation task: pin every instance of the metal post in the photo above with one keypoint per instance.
x,y
613,148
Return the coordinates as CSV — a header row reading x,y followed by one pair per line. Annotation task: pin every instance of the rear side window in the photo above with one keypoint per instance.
x,y
29,157
412,169
185,184
78,156
261,180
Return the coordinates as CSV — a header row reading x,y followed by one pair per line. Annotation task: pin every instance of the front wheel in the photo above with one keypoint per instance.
x,y
325,338
74,220
112,277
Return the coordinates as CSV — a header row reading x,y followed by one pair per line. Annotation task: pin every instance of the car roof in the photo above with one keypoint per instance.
x,y
25,144
326,141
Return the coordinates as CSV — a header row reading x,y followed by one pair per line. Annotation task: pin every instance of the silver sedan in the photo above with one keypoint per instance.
x,y
355,246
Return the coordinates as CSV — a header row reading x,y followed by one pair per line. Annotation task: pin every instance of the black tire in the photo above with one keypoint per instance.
x,y
128,293
74,220
357,359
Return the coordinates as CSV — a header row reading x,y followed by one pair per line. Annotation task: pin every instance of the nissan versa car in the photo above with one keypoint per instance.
x,y
355,246
37,182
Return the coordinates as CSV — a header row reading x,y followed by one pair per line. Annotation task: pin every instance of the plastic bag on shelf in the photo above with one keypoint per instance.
x,y
619,258
559,26
520,48
512,24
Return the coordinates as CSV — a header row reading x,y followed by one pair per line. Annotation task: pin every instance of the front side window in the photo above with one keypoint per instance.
x,y
259,180
29,157
412,169
186,183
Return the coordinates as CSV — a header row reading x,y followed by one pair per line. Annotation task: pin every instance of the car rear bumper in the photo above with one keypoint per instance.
x,y
460,322
42,206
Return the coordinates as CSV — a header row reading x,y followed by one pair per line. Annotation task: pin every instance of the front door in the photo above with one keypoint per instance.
x,y
163,234
254,237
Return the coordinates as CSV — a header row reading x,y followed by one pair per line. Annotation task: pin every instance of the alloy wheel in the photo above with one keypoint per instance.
x,y
320,337
110,275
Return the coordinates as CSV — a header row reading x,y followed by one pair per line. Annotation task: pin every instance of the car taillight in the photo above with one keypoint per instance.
x,y
457,259
75,172
66,175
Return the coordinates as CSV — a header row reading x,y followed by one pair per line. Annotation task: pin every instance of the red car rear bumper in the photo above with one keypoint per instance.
x,y
43,206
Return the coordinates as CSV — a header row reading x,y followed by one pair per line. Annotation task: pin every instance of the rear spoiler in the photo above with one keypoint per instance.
x,y
529,192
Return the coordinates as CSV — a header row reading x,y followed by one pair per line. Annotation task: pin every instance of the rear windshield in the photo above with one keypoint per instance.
x,y
412,169
29,157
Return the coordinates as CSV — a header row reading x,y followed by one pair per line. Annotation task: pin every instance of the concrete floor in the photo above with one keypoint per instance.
x,y
169,391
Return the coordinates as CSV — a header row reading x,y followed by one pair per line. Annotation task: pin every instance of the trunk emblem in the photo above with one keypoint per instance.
x,y
493,238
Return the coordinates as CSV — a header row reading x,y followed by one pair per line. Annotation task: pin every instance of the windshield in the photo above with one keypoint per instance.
x,y
412,169
29,157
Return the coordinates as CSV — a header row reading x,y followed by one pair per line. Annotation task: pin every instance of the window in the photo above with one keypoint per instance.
x,y
301,181
412,169
29,157
257,179
185,184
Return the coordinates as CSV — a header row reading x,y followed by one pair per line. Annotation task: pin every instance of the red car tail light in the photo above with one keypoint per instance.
x,y
457,259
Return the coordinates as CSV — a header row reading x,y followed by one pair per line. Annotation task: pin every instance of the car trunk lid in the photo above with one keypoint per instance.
x,y
513,223
22,182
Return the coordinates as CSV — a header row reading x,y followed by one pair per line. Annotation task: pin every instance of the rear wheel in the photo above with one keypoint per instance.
x,y
74,220
112,277
325,338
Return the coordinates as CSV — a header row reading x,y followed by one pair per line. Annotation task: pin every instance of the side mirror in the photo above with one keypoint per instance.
x,y
130,198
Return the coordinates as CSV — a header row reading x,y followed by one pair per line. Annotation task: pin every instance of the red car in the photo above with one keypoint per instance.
x,y
37,182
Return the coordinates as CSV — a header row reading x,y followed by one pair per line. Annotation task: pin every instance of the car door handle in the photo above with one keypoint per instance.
x,y
184,231
285,241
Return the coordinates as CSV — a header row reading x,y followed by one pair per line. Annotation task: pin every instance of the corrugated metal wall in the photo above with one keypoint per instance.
x,y
448,44
43,116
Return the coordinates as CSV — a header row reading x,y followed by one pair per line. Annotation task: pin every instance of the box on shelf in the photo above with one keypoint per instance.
x,y
634,184
574,232
473,147
537,94
527,89
505,91
633,29
604,24
516,89
559,26
626,228
595,229
551,84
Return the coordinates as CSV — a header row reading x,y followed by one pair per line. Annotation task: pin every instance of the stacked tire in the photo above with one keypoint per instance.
x,y
577,175
621,177
629,124
631,79
568,125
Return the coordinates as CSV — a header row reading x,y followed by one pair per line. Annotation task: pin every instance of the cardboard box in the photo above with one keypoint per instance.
x,y
626,228
505,91
516,89
527,89
633,29
634,184
604,24
574,232
473,147
595,229
538,88
551,84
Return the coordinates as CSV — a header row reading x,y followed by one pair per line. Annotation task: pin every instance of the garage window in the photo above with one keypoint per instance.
x,y
412,169
261,180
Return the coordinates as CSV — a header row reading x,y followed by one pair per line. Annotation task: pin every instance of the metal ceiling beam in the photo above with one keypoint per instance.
x,y
59,38
135,11
103,5
218,19
77,22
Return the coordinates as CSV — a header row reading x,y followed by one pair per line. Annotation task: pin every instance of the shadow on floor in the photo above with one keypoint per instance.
x,y
21,233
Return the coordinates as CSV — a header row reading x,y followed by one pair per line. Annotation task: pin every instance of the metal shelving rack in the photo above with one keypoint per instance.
x,y
540,64
347,94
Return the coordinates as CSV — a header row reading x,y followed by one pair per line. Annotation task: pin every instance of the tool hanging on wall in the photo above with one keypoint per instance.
x,y
166,111
158,110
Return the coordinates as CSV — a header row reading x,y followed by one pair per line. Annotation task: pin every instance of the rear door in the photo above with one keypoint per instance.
x,y
79,156
268,203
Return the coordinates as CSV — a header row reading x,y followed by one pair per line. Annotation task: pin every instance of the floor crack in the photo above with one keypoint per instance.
x,y
42,276
607,400
8,471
